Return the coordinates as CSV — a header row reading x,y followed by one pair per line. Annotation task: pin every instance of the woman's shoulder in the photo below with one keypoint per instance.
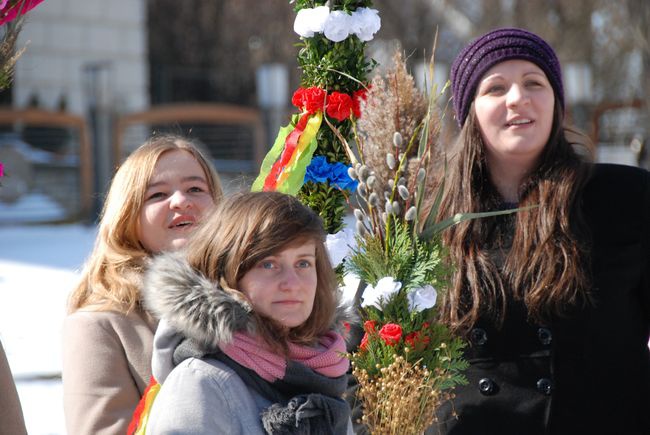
x,y
609,178
213,370
616,201
212,374
217,394
612,186
92,318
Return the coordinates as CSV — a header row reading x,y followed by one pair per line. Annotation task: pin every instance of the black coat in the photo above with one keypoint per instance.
x,y
588,373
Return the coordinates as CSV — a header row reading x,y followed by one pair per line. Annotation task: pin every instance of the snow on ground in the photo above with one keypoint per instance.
x,y
39,265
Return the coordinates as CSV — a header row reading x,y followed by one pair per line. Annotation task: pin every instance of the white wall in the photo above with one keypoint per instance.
x,y
67,35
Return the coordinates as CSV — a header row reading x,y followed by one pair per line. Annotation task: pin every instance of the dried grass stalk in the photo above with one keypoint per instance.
x,y
403,400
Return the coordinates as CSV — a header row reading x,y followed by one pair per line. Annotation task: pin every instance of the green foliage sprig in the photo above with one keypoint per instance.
x,y
410,260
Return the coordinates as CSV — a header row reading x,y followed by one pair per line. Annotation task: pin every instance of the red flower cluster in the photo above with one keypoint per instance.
x,y
391,333
337,104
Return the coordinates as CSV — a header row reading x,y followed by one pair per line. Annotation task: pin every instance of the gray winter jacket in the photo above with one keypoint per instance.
x,y
198,395
205,396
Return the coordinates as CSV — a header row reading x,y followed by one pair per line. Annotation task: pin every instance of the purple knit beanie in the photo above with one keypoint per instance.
x,y
494,47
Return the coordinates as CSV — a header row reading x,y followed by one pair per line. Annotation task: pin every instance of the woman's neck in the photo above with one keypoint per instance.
x,y
507,178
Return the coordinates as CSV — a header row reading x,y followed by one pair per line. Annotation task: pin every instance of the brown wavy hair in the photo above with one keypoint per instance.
x,y
112,276
546,266
248,227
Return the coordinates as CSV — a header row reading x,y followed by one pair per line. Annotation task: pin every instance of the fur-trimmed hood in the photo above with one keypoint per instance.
x,y
191,306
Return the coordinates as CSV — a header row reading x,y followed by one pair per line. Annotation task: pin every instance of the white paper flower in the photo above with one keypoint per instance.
x,y
339,245
301,23
318,17
365,23
337,26
384,289
310,21
422,298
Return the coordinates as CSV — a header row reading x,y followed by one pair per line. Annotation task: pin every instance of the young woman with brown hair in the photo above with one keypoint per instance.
x,y
555,299
248,340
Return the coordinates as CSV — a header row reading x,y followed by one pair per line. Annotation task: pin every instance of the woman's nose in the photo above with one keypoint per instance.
x,y
289,279
516,95
179,200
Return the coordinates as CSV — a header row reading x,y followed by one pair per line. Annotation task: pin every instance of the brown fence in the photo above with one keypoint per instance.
x,y
47,162
233,135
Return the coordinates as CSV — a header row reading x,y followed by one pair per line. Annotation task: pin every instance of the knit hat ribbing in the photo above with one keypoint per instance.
x,y
495,47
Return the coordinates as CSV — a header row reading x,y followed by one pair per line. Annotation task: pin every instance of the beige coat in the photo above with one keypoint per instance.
x,y
11,415
106,368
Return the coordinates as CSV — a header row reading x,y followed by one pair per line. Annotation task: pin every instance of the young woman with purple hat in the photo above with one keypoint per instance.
x,y
554,300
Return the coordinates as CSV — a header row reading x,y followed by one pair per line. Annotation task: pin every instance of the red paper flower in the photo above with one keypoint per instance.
x,y
411,339
346,330
364,342
370,325
391,333
339,106
298,97
357,97
311,99
416,340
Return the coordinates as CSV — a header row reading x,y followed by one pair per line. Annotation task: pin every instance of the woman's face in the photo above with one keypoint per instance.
x,y
282,286
514,107
175,199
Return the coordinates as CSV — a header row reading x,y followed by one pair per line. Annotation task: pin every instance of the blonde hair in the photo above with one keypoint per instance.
x,y
111,278
245,229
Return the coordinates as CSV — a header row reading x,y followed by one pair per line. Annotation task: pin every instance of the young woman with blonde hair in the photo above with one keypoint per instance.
x,y
156,199
248,341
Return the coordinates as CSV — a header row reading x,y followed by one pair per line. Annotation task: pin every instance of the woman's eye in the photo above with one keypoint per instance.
x,y
267,265
303,264
196,189
533,84
156,195
495,89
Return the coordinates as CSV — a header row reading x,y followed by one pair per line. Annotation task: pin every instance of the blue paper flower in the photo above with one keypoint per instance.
x,y
339,177
320,171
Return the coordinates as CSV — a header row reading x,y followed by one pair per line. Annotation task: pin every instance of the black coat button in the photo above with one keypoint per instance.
x,y
487,386
545,386
545,336
478,336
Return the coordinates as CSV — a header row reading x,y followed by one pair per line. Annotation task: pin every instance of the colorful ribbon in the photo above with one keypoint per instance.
x,y
138,424
284,167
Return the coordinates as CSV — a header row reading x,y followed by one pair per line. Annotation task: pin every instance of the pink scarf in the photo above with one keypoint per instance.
x,y
328,358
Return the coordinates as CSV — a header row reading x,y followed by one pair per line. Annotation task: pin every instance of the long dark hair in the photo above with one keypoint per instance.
x,y
546,265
